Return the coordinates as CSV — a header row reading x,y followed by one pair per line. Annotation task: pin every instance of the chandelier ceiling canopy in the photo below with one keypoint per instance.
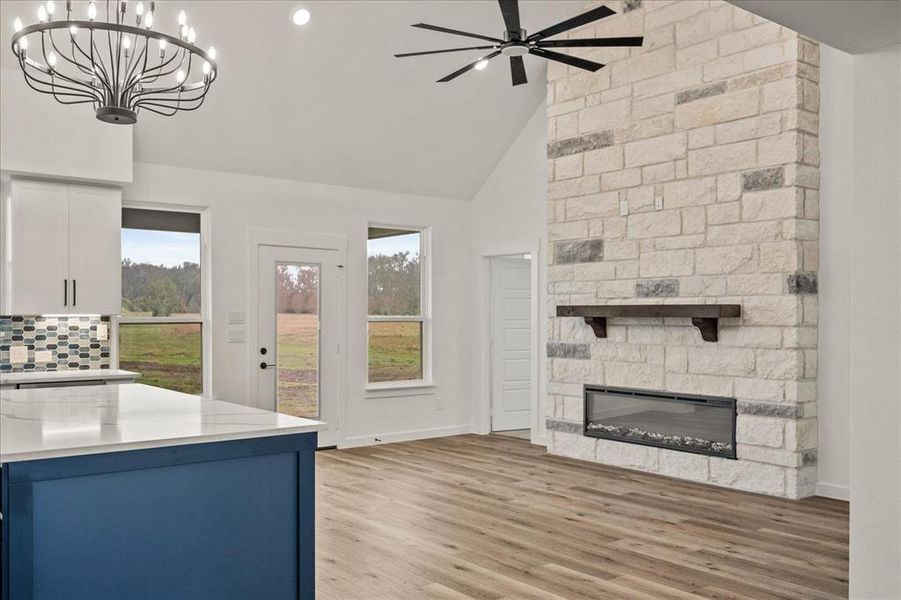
x,y
119,64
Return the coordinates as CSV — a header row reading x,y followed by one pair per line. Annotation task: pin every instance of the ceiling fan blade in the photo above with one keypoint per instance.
x,y
457,32
592,15
443,51
592,42
518,70
574,61
468,67
510,10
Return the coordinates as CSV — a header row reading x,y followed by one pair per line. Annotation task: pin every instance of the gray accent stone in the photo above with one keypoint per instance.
x,y
583,251
564,426
630,5
763,179
656,288
702,91
591,141
808,458
769,409
565,350
802,283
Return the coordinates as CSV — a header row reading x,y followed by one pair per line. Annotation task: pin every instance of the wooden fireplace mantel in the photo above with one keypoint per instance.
x,y
703,316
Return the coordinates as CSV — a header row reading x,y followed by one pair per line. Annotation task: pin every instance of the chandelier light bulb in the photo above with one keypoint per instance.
x,y
42,13
73,29
92,11
51,7
192,35
148,19
17,25
212,52
162,44
139,9
126,43
206,68
23,43
481,65
182,18
51,59
179,76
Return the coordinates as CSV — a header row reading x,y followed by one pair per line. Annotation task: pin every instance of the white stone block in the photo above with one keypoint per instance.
x,y
689,192
630,456
746,475
759,389
666,263
721,361
780,364
660,149
717,109
721,159
574,445
654,224
760,431
683,465
726,259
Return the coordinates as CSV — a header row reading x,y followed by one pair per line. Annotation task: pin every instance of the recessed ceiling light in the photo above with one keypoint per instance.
x,y
301,16
481,65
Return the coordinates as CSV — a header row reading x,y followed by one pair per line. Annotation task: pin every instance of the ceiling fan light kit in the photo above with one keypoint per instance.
x,y
119,64
516,43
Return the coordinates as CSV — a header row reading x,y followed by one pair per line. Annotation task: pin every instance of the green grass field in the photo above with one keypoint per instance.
x,y
169,356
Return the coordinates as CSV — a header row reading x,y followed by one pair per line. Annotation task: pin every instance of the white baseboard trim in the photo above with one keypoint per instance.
x,y
831,490
405,436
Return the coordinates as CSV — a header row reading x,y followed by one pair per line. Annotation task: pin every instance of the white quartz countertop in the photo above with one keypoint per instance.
x,y
71,375
55,422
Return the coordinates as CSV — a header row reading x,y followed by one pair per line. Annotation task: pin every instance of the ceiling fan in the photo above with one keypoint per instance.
x,y
516,42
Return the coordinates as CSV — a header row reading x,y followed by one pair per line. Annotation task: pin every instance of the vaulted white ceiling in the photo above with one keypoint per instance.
x,y
329,103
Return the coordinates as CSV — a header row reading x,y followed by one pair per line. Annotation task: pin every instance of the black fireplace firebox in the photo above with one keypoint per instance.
x,y
698,424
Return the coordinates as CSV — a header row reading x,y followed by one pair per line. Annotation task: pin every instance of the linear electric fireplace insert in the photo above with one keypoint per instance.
x,y
699,424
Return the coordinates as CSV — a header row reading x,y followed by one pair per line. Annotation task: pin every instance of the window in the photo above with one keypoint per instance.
x,y
398,308
160,332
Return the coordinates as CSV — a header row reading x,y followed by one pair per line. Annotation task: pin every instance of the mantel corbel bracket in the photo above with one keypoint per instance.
x,y
598,326
708,326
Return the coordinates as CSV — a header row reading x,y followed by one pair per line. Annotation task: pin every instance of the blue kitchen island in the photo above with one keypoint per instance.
x,y
134,492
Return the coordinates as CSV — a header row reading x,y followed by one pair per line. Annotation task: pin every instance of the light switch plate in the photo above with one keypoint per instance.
x,y
235,317
658,203
43,356
102,332
18,355
623,207
235,336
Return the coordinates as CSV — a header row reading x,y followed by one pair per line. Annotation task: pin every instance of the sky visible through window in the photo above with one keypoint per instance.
x,y
166,248
392,245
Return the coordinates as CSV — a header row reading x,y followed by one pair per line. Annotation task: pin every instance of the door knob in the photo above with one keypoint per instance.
x,y
263,365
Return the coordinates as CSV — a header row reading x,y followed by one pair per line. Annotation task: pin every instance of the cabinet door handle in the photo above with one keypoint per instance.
x,y
74,293
65,292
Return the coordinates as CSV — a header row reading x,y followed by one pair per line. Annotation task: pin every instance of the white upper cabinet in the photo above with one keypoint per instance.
x,y
95,255
63,249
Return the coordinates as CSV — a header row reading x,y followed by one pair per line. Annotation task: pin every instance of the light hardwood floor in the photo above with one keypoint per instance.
x,y
494,517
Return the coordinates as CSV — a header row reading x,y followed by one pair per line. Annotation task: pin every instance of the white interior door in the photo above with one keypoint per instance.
x,y
511,343
297,324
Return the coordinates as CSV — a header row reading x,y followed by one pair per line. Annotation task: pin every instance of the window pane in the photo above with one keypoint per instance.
x,y
166,355
395,351
160,273
395,279
297,298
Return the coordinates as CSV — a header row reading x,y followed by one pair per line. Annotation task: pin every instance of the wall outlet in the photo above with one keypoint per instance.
x,y
102,332
658,202
235,336
18,355
623,208
43,356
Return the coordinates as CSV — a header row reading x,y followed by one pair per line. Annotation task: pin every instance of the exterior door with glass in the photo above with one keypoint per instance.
x,y
298,345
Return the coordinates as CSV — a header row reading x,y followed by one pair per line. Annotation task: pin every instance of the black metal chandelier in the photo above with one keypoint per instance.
x,y
117,67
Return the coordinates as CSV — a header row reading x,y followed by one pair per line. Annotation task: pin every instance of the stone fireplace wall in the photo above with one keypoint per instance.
x,y
687,171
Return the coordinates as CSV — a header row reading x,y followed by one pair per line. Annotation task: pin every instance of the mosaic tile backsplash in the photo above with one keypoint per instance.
x,y
61,343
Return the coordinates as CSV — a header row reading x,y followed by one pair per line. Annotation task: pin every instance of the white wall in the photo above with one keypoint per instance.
x,y
875,382
44,138
508,217
836,212
238,202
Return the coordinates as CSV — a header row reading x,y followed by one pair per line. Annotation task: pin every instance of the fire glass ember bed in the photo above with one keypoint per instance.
x,y
699,424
